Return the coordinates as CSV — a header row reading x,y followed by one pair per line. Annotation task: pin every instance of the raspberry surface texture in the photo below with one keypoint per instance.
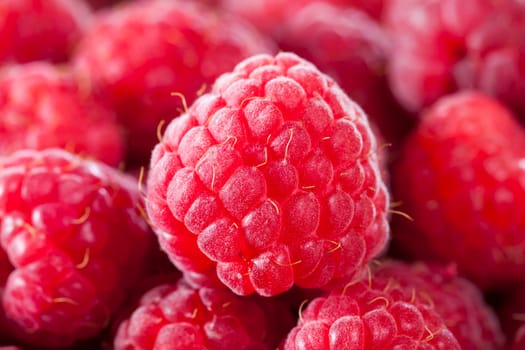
x,y
73,231
400,306
178,47
450,45
177,316
352,48
461,178
35,30
269,180
44,106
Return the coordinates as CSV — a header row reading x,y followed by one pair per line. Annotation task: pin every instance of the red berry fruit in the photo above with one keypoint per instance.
x,y
74,233
399,307
269,180
35,30
138,54
461,179
177,316
442,46
43,106
353,49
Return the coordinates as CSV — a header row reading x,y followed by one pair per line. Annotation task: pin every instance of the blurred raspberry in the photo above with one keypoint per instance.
x,y
34,30
177,316
354,49
138,54
269,180
43,106
269,15
75,236
460,177
447,45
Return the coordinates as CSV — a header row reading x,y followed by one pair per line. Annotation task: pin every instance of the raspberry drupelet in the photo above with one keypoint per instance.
x,y
399,306
270,180
75,236
138,54
44,106
177,316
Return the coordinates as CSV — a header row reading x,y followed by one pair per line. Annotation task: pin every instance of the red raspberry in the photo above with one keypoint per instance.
x,y
461,179
448,45
345,42
269,180
41,29
43,106
399,307
176,46
74,233
177,316
269,15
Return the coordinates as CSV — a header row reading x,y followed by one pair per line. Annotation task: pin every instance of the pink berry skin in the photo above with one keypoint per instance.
x,y
177,316
399,306
178,47
460,177
463,44
270,180
34,30
44,106
74,234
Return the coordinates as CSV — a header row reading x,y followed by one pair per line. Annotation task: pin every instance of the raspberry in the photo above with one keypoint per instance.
x,y
460,177
177,46
74,233
269,15
43,106
177,316
399,307
41,29
463,44
269,180
345,42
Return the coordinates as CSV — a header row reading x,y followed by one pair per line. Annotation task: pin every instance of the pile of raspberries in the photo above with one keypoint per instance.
x,y
262,174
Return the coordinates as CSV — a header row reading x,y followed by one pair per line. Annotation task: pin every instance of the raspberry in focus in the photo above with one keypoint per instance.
x,y
270,180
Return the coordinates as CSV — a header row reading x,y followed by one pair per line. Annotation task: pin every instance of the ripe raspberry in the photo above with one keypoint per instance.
x,y
345,42
73,232
461,178
269,180
399,307
177,46
269,15
447,45
177,316
41,29
43,106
